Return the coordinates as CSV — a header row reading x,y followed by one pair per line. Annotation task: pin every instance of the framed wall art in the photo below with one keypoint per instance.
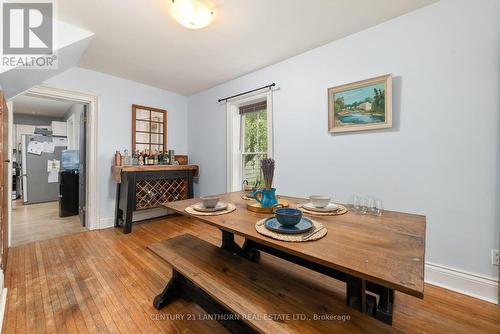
x,y
362,105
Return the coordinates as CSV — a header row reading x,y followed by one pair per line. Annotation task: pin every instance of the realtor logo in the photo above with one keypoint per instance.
x,y
27,28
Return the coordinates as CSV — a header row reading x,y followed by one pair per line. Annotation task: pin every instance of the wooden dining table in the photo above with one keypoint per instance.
x,y
379,254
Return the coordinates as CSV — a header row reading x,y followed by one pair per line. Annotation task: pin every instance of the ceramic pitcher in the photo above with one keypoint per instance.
x,y
266,197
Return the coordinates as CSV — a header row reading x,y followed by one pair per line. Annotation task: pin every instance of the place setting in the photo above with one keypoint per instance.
x,y
210,206
288,224
320,205
249,190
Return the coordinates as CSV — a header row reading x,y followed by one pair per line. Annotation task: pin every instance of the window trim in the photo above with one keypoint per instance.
x,y
233,136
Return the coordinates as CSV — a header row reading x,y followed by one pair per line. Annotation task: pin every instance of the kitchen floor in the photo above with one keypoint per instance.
x,y
36,222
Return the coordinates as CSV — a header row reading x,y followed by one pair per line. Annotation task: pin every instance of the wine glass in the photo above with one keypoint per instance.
x,y
372,205
379,207
363,205
356,203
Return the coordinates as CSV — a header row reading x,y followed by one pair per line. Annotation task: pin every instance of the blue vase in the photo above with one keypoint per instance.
x,y
266,197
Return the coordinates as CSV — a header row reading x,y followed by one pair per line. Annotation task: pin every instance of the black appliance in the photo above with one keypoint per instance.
x,y
68,193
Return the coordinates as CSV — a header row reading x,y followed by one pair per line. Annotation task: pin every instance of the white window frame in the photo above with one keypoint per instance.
x,y
233,136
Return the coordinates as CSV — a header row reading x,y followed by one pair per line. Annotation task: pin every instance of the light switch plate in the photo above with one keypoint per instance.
x,y
495,257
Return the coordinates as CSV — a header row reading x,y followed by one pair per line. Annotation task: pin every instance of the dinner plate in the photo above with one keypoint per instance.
x,y
303,226
218,207
329,208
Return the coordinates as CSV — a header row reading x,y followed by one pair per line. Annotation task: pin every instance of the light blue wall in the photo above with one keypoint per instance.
x,y
440,159
116,97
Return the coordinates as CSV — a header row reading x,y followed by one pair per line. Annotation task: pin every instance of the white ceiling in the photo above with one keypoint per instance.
x,y
139,40
36,106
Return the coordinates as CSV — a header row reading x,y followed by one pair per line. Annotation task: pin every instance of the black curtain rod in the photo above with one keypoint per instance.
x,y
250,91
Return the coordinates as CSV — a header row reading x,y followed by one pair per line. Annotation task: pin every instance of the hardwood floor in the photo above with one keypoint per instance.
x,y
105,281
35,222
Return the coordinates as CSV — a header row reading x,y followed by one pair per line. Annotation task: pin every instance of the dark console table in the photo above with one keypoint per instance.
x,y
148,187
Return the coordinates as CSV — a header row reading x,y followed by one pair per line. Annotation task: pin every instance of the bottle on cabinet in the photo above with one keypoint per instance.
x,y
171,156
155,157
135,158
140,159
127,159
166,158
146,157
118,158
160,158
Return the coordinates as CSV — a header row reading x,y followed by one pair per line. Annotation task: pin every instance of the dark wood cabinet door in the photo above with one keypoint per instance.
x,y
4,181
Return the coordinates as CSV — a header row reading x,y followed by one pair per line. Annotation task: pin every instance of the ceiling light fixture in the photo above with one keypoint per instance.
x,y
192,14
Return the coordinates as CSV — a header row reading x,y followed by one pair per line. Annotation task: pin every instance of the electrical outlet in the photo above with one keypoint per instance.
x,y
495,257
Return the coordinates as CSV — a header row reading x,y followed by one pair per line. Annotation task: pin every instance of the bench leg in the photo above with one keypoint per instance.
x,y
247,251
232,322
180,286
171,291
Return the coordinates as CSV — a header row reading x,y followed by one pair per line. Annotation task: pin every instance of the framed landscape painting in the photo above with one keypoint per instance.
x,y
362,105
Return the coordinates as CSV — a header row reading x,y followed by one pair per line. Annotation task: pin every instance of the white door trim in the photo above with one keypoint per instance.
x,y
3,299
10,148
92,159
70,132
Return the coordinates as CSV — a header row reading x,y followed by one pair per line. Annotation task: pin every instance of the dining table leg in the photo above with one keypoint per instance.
x,y
384,308
249,248
247,251
356,296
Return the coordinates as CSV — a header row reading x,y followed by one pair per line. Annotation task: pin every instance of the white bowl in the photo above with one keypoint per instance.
x,y
319,201
209,201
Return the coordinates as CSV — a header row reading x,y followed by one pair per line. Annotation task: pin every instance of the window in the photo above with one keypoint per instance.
x,y
253,139
149,129
249,138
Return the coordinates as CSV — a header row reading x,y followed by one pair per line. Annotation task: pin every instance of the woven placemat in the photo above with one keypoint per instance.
x,y
318,232
341,210
230,208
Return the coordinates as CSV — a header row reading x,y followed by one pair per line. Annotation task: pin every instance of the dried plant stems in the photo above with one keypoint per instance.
x,y
267,166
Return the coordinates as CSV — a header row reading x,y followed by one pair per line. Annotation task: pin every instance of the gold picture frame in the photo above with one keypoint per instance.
x,y
361,105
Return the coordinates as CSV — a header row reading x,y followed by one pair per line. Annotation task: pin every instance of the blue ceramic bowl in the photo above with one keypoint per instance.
x,y
288,217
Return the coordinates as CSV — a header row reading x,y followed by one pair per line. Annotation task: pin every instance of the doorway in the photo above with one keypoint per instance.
x,y
91,163
46,173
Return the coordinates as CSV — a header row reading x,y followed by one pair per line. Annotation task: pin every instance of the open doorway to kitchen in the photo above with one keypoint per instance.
x,y
48,168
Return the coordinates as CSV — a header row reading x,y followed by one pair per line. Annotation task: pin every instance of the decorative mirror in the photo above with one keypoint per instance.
x,y
149,129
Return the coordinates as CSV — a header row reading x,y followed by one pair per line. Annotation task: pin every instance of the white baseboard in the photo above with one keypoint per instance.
x,y
106,222
136,216
3,300
474,285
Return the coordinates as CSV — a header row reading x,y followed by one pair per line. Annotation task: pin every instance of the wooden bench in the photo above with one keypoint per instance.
x,y
247,297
